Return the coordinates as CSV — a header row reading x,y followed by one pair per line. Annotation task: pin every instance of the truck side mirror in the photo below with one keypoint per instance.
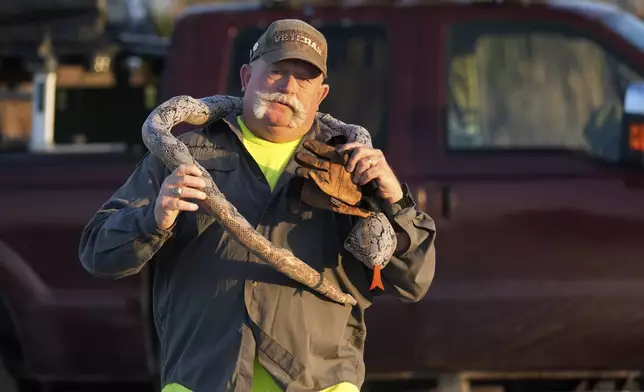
x,y
633,126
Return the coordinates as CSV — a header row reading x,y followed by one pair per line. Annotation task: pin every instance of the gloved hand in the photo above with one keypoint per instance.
x,y
314,197
326,168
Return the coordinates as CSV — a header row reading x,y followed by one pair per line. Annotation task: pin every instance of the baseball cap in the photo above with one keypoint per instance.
x,y
291,39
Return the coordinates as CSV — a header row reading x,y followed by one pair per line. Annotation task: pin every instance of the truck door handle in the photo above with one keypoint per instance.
x,y
421,198
446,201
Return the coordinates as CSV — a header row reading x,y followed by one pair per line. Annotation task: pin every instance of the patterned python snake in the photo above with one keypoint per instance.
x,y
373,240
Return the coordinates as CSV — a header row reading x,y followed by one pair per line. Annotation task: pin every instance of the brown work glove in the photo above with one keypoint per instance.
x,y
326,168
314,197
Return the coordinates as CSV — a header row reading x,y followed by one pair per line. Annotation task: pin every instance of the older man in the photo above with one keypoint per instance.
x,y
226,321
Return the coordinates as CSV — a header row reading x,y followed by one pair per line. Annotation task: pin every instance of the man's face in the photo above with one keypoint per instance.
x,y
285,94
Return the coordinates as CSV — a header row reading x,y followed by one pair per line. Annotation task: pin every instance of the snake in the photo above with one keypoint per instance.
x,y
372,239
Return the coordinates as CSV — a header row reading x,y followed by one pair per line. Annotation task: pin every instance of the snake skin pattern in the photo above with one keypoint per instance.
x,y
371,240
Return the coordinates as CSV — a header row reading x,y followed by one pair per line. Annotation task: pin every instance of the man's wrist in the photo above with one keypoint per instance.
x,y
405,201
396,198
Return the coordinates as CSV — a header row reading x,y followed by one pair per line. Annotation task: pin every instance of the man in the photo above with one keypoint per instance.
x,y
226,320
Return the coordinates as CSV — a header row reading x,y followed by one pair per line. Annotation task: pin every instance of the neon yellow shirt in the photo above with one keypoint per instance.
x,y
272,158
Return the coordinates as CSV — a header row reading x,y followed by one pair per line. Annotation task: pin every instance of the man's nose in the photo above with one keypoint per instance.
x,y
289,84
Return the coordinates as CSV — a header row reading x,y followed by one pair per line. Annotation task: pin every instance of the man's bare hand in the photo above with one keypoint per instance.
x,y
367,164
185,178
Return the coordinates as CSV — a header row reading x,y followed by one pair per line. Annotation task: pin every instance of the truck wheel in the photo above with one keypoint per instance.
x,y
7,383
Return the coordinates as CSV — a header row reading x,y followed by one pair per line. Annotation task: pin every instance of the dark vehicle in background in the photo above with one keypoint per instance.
x,y
506,119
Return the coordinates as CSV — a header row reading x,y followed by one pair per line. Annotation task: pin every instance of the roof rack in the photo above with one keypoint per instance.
x,y
252,5
344,3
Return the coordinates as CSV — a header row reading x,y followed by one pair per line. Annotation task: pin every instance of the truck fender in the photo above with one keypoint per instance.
x,y
24,292
19,283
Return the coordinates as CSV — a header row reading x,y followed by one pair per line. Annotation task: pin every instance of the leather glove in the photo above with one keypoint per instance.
x,y
326,169
314,197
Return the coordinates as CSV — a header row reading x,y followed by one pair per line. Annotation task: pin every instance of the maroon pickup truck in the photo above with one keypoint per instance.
x,y
506,119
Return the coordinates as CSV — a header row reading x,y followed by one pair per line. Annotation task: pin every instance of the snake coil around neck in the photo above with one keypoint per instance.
x,y
372,240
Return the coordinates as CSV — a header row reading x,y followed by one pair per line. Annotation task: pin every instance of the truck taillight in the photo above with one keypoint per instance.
x,y
632,132
636,137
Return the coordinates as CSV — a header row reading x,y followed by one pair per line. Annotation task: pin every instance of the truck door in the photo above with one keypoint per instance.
x,y
539,238
366,46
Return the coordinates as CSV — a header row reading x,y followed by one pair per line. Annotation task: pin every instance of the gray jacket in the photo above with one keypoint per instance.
x,y
216,305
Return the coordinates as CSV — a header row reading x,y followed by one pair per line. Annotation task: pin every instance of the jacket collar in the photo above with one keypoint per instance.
x,y
318,131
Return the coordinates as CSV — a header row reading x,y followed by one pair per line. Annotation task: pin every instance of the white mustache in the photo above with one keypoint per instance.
x,y
289,100
262,100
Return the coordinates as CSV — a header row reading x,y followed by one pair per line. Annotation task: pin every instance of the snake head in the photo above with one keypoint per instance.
x,y
372,240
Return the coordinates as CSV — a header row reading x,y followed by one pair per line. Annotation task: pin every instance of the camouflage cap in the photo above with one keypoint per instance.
x,y
291,39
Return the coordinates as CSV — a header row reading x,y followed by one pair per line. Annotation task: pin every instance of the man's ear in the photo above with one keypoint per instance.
x,y
244,74
324,91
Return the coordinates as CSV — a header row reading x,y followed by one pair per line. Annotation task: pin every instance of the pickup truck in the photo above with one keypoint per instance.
x,y
508,121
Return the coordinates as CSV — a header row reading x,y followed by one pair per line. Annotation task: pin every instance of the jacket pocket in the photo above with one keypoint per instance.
x,y
220,165
224,161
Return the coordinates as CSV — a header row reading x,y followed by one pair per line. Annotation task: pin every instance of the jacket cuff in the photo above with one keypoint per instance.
x,y
149,227
392,210
411,223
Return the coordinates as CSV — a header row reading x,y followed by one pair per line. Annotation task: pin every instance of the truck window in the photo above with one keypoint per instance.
x,y
357,74
533,86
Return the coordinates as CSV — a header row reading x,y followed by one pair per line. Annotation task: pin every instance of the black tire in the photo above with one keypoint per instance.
x,y
7,383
